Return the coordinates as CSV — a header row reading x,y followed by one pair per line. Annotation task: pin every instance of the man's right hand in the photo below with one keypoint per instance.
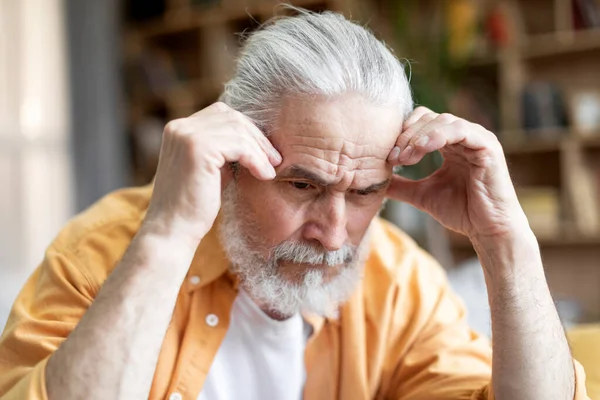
x,y
131,312
193,168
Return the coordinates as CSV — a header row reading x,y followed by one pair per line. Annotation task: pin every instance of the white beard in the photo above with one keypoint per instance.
x,y
260,277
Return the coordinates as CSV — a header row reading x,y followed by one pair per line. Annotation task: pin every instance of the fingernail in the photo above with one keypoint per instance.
x,y
276,155
394,153
271,172
422,141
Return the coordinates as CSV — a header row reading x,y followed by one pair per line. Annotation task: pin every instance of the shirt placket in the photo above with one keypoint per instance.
x,y
208,322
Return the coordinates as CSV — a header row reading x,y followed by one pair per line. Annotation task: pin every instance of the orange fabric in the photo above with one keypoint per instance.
x,y
403,334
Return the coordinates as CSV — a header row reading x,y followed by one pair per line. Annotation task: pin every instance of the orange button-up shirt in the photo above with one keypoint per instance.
x,y
402,335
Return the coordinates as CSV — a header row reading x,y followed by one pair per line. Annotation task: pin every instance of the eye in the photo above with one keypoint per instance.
x,y
364,193
301,185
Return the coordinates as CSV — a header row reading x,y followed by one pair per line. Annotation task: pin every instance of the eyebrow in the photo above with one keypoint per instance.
x,y
296,171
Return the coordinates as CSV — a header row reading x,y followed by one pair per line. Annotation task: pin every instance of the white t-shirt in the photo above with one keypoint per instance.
x,y
260,358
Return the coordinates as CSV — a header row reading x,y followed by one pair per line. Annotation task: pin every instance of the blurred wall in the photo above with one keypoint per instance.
x,y
98,141
35,162
61,133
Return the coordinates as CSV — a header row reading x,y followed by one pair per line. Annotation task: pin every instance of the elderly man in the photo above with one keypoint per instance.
x,y
256,266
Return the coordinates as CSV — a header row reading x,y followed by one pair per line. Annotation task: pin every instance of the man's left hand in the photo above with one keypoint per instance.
x,y
472,192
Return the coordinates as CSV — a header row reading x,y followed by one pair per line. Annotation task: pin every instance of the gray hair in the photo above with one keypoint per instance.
x,y
313,54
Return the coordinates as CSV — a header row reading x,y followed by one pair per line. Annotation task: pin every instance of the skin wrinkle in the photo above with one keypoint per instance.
x,y
345,161
343,143
298,172
345,177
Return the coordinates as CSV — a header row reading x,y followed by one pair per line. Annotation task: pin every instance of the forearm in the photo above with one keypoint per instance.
x,y
112,353
531,358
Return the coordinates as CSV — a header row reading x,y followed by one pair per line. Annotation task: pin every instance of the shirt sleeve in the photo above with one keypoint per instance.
x,y
439,356
47,309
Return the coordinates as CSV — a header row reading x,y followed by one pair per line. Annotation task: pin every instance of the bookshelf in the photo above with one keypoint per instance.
x,y
177,61
561,43
556,166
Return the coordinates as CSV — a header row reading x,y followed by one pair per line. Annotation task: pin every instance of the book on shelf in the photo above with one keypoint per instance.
x,y
586,14
582,192
543,108
542,207
584,108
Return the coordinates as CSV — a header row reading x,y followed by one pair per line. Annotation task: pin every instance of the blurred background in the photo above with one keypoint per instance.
x,y
87,86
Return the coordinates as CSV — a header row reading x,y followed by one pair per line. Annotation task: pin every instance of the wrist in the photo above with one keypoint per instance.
x,y
512,253
155,261
156,240
172,233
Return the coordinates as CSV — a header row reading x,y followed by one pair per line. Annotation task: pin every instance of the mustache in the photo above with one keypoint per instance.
x,y
304,253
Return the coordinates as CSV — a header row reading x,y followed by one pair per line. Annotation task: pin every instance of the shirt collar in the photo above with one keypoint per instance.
x,y
210,262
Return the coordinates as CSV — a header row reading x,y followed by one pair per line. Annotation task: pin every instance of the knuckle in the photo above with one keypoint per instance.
x,y
174,127
238,126
446,117
428,117
232,113
493,138
236,117
438,132
495,143
461,124
220,107
239,122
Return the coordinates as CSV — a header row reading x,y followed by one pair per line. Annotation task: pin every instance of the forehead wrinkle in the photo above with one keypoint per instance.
x,y
339,142
347,143
351,150
343,177
340,158
342,172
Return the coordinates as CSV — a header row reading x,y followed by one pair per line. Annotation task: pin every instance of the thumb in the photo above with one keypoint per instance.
x,y
408,191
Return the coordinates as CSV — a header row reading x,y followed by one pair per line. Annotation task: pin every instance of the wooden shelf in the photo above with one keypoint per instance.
x,y
182,95
590,141
538,145
558,43
462,242
189,18
547,45
528,146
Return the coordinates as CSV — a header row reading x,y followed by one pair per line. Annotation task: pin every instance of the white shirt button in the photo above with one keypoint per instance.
x,y
194,280
175,396
212,320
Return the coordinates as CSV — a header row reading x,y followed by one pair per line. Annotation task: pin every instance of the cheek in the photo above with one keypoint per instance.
x,y
360,217
273,219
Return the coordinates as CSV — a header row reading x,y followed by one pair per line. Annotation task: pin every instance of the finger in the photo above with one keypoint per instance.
x,y
224,113
405,136
426,138
274,156
446,132
254,158
415,116
245,150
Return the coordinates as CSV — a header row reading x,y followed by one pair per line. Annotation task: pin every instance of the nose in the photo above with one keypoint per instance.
x,y
328,223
